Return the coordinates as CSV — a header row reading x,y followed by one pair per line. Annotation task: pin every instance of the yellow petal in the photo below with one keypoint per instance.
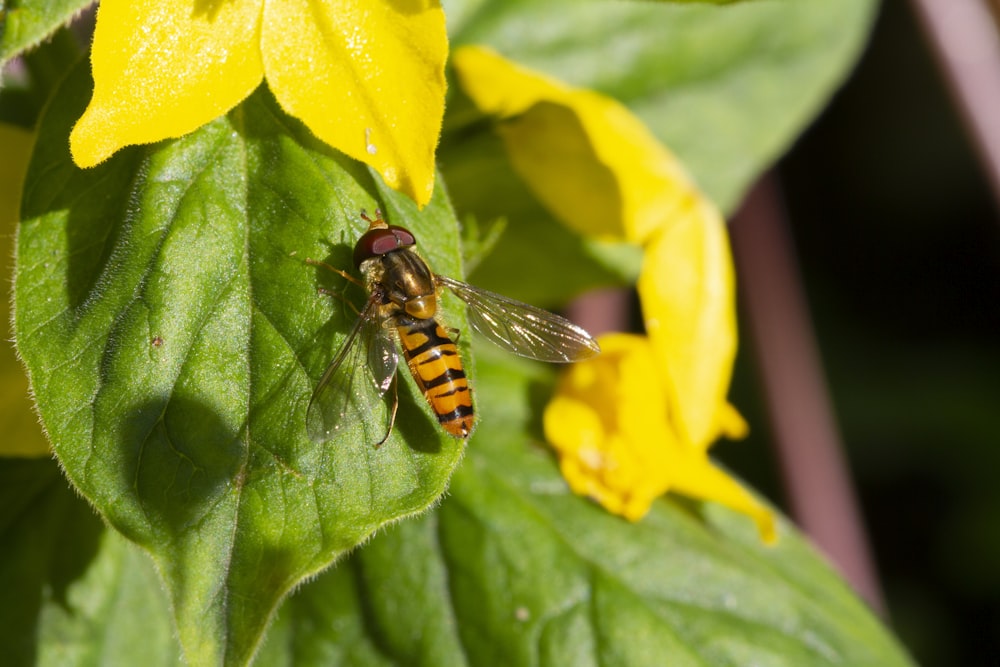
x,y
607,422
584,155
163,68
22,436
499,87
688,304
699,478
366,78
731,423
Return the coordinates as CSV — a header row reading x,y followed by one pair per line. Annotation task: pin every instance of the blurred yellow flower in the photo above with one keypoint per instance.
x,y
617,444
638,420
22,434
688,296
366,77
587,158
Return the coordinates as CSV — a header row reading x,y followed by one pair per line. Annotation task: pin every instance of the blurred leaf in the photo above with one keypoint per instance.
x,y
704,2
479,239
84,595
173,334
726,89
29,81
25,23
513,569
562,264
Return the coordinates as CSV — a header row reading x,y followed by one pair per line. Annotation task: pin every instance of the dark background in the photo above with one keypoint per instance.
x,y
898,241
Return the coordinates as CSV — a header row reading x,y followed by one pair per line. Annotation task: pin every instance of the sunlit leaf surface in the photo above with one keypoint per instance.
x,y
173,332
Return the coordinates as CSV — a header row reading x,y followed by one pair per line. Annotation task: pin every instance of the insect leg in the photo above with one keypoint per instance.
x,y
344,274
341,297
392,416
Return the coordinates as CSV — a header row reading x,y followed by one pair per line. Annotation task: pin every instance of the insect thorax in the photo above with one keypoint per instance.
x,y
402,278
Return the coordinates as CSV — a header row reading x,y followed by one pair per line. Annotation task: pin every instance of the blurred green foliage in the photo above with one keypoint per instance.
x,y
898,241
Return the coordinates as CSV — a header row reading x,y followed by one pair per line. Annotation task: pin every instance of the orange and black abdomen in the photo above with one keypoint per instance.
x,y
436,366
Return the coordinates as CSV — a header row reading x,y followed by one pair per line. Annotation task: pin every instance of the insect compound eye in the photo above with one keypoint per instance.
x,y
378,242
374,243
403,235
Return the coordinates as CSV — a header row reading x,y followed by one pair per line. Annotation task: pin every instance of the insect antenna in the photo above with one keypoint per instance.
x,y
378,223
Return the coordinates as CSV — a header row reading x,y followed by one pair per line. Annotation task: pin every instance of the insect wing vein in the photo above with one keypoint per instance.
x,y
352,392
521,328
382,356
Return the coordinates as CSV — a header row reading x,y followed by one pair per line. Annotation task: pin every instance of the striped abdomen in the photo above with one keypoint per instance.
x,y
436,366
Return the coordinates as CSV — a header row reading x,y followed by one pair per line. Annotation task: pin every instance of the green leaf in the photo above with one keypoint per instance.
x,y
513,569
173,334
83,594
706,2
26,88
727,89
26,23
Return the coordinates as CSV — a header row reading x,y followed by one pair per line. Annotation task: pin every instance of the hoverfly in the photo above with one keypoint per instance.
x,y
402,307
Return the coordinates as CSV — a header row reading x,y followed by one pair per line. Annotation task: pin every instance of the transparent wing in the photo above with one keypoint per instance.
x,y
351,395
525,330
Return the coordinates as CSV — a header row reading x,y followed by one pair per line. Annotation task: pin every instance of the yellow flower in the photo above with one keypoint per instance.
x,y
599,170
585,156
688,296
616,442
365,77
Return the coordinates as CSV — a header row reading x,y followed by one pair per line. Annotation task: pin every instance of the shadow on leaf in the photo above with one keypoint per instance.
x,y
51,537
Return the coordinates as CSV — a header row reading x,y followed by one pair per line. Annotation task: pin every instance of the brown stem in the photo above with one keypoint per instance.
x,y
813,467
601,311
963,35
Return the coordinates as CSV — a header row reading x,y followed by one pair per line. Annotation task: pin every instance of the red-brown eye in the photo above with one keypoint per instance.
x,y
378,242
403,235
